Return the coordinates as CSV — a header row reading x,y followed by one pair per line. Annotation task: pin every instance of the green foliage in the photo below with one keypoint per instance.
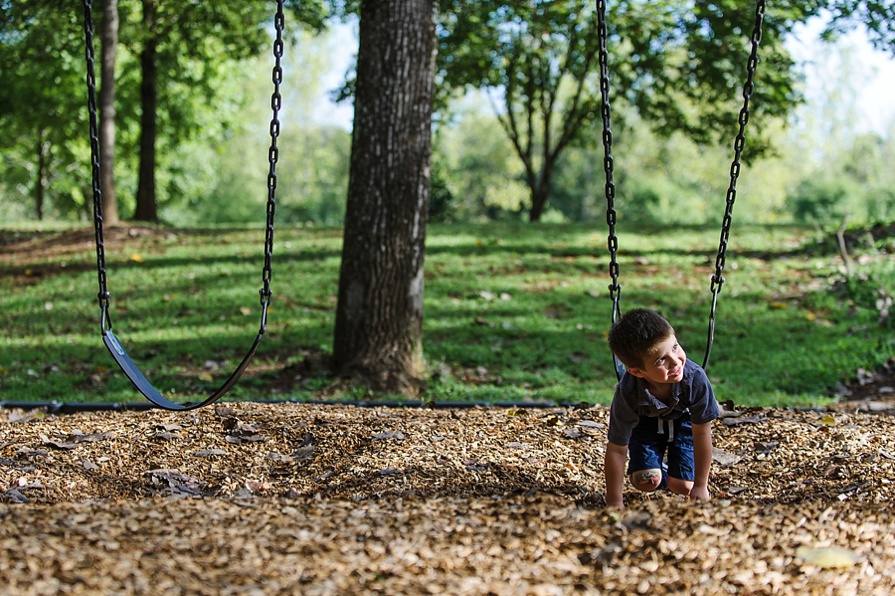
x,y
876,16
870,287
41,108
819,201
680,65
857,189
478,167
441,199
42,60
314,176
215,96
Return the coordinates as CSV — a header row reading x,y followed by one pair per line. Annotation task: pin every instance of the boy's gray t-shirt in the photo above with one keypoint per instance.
x,y
632,400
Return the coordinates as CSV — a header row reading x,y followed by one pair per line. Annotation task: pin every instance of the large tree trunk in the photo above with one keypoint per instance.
x,y
379,317
146,203
107,111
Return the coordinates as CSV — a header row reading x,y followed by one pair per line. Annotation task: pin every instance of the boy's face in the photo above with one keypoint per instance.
x,y
664,364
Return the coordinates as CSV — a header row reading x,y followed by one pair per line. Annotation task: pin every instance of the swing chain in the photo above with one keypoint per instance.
x,y
739,143
103,295
273,154
615,289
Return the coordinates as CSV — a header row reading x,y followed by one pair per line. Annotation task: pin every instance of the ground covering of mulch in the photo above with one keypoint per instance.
x,y
337,499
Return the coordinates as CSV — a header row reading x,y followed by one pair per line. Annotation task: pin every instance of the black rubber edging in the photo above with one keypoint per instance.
x,y
54,407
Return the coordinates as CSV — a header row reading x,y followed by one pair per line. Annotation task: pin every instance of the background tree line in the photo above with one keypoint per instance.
x,y
187,75
208,112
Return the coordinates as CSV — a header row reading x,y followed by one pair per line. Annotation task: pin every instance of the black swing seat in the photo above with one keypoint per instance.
x,y
143,385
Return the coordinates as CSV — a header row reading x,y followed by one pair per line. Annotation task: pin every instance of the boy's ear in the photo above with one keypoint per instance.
x,y
635,371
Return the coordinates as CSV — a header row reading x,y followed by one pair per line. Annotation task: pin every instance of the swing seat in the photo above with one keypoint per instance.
x,y
124,361
142,384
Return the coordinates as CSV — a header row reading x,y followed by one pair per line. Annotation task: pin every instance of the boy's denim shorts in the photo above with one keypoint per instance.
x,y
648,447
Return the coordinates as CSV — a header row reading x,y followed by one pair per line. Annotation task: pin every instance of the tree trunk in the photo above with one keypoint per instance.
x,y
379,317
107,111
540,192
41,176
146,203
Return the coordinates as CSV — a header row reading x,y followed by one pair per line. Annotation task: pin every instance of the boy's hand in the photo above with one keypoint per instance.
x,y
700,493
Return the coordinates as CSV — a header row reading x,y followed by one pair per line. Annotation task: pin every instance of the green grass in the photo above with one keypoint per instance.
x,y
514,312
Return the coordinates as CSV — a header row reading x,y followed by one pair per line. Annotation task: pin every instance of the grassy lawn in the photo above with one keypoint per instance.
x,y
513,312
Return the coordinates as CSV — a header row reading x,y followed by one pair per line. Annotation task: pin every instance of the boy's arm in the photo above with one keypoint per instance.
x,y
615,460
702,454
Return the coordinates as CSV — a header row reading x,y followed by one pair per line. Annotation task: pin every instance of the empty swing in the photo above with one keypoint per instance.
x,y
605,110
124,361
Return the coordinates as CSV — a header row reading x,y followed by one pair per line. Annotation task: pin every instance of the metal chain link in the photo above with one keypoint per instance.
x,y
103,295
739,143
615,289
273,154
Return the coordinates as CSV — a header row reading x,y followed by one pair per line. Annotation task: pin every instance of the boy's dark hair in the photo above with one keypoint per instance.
x,y
636,333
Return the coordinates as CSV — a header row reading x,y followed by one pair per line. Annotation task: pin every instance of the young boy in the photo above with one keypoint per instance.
x,y
664,403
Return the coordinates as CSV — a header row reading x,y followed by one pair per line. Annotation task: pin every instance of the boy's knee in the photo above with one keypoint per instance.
x,y
680,487
647,480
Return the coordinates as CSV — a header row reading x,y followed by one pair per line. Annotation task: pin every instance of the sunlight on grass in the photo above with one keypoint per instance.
x,y
513,312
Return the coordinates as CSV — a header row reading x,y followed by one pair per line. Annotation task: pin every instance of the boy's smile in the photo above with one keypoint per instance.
x,y
665,363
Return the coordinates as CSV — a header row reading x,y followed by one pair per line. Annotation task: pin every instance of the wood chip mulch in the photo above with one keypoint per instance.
x,y
319,499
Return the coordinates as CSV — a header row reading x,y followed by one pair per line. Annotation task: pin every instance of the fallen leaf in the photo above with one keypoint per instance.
x,y
25,415
396,435
764,446
58,444
15,496
828,420
79,437
572,433
740,421
829,557
725,458
303,453
209,452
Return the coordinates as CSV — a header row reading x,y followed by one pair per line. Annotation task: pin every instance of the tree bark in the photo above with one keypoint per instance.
x,y
109,37
147,209
41,175
379,316
540,192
